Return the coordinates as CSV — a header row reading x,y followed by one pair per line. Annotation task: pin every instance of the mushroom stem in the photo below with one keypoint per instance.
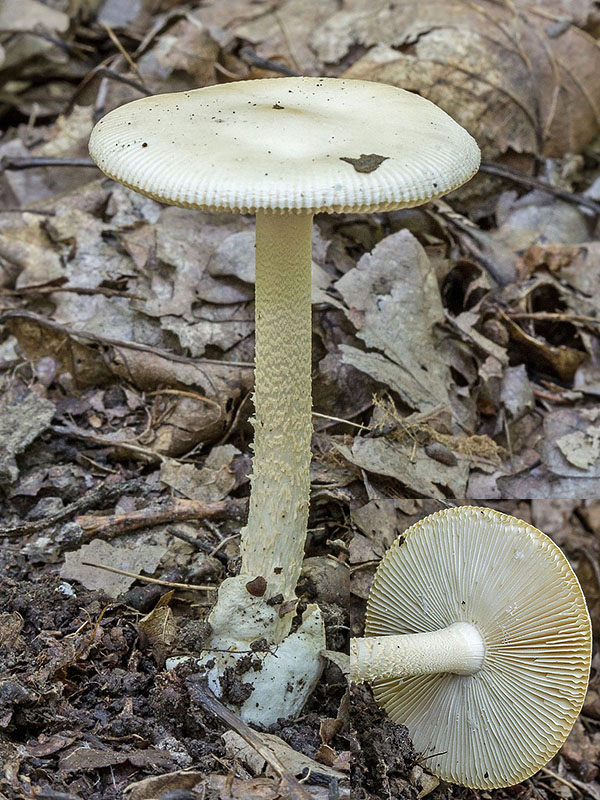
x,y
457,649
273,540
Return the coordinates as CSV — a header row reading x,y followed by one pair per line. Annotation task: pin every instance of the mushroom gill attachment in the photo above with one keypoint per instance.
x,y
501,576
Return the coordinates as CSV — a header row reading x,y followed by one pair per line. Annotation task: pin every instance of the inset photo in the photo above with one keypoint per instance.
x,y
472,663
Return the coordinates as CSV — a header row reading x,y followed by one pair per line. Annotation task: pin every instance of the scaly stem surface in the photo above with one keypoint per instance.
x,y
273,541
272,545
458,648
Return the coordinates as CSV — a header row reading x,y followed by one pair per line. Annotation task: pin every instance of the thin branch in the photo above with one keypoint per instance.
x,y
43,322
105,72
106,441
517,176
176,510
33,162
252,58
82,290
554,316
98,498
201,695
200,587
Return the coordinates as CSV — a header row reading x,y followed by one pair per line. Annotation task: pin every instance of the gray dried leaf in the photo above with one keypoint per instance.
x,y
393,299
516,392
136,556
414,469
571,443
22,419
211,483
542,484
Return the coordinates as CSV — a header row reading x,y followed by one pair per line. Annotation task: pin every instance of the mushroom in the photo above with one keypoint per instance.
x,y
478,639
284,149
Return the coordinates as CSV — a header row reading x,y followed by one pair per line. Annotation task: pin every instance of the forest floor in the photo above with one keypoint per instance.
x,y
126,353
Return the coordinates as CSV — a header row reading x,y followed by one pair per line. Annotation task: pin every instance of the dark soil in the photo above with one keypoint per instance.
x,y
383,753
86,707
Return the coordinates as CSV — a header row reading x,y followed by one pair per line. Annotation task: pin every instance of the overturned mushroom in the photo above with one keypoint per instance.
x,y
284,149
478,639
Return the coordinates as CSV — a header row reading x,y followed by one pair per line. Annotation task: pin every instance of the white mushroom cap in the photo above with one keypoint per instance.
x,y
286,144
500,725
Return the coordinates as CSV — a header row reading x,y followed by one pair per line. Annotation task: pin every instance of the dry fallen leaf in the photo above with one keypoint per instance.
x,y
393,300
160,628
184,55
518,76
571,444
23,417
424,476
201,390
136,556
563,360
211,483
294,762
83,759
170,782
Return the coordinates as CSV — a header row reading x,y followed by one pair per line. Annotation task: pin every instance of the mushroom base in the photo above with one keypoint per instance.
x,y
281,678
458,649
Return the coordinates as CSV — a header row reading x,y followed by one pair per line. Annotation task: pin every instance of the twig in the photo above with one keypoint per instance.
x,y
117,43
30,162
517,176
106,441
43,322
83,290
105,72
339,419
187,537
201,695
288,40
43,212
176,510
223,542
554,316
196,586
10,364
181,393
250,57
560,779
97,498
67,47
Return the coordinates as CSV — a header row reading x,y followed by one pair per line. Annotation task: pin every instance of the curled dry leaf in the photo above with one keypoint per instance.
x,y
160,629
393,299
23,417
201,393
137,557
519,76
571,443
563,361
